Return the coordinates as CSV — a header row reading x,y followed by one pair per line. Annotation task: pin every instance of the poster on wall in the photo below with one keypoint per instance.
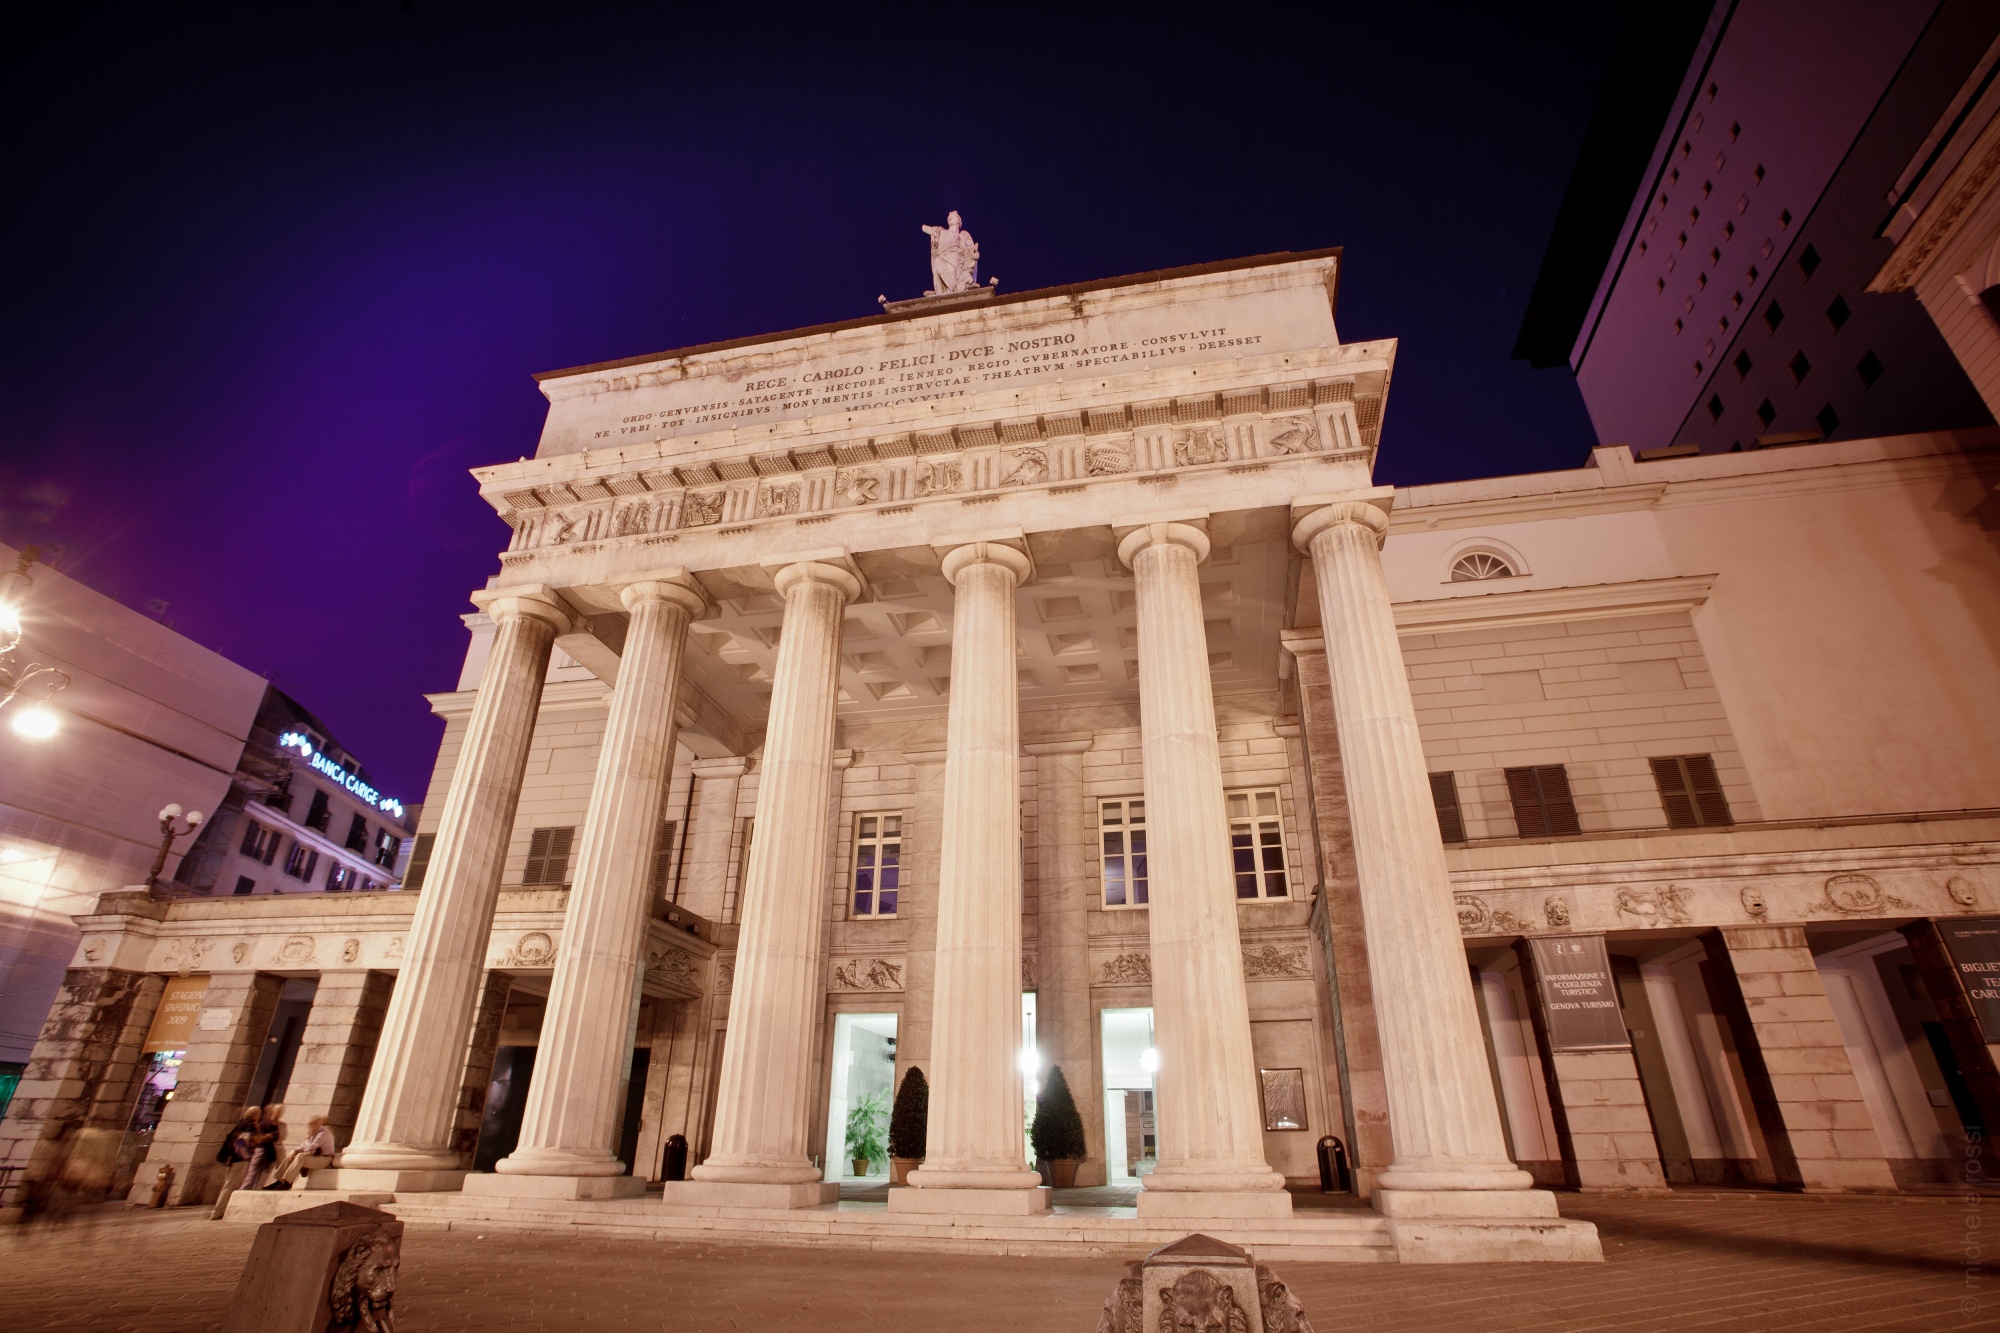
x,y
1578,995
1974,946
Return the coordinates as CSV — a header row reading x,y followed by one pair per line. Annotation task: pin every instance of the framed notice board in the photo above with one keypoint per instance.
x,y
1974,946
1573,973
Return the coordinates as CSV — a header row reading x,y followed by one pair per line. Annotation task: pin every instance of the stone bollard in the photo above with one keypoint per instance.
x,y
1201,1285
329,1269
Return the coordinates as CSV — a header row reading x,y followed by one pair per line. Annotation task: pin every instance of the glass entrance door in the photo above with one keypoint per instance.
x,y
1131,1134
862,1086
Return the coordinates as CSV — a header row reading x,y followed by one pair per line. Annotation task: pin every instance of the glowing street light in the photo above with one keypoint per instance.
x,y
36,722
168,835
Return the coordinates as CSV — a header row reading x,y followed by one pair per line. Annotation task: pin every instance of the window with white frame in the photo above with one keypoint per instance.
x,y
1257,845
878,862
1121,827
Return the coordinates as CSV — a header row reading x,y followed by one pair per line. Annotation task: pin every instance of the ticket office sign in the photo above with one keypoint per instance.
x,y
1974,946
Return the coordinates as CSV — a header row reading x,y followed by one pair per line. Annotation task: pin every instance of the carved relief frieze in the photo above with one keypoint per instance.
x,y
868,974
395,949
1107,459
1477,917
1203,444
1027,972
858,485
725,975
1655,907
939,476
702,509
1294,435
777,501
1962,891
295,950
1026,467
1272,961
350,949
536,948
1855,895
1127,969
675,967
1556,911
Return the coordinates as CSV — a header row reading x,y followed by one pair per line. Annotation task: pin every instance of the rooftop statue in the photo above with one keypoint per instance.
x,y
954,258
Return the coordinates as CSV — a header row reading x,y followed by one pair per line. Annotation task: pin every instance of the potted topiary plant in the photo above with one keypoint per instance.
x,y
1057,1133
864,1131
907,1125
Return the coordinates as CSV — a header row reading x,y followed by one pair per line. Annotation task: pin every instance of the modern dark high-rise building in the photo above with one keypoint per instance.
x,y
1707,277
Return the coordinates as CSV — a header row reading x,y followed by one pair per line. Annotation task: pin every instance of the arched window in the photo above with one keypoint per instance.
x,y
1478,565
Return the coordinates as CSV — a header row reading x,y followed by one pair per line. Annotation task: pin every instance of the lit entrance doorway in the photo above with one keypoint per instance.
x,y
1131,1138
858,1103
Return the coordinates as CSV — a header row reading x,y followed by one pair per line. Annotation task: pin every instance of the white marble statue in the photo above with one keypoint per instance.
x,y
954,258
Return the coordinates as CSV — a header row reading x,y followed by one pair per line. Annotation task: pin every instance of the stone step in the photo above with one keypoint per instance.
x,y
1315,1237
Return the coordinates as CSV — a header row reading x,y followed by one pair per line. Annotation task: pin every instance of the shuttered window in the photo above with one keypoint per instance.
x,y
548,856
1542,803
420,861
1444,795
1691,791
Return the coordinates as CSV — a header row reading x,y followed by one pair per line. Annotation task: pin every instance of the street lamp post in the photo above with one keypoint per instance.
x,y
168,835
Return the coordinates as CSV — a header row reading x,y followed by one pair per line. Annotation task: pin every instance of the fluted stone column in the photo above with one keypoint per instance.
x,y
711,828
1063,1014
1442,1111
975,1159
1211,1126
759,1156
402,1137
569,1126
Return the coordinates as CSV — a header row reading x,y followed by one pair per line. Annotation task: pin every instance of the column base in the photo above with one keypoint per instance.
x,y
983,1203
1471,1241
1464,1203
1214,1203
713,1194
487,1186
558,1162
398,1157
350,1178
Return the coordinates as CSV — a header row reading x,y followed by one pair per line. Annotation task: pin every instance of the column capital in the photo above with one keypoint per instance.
x,y
833,566
1006,549
1165,530
1314,514
674,584
728,766
532,601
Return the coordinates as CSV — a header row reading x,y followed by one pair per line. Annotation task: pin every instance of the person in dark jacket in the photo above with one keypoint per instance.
x,y
239,1150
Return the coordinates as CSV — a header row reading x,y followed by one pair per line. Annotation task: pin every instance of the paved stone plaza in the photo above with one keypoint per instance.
x,y
1692,1260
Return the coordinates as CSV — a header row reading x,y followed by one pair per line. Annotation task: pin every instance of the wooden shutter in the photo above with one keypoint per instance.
x,y
1674,793
1691,792
538,856
1526,795
1543,806
1444,795
1709,802
420,861
548,856
663,858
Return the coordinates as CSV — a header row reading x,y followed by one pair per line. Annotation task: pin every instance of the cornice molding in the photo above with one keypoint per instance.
x,y
1540,606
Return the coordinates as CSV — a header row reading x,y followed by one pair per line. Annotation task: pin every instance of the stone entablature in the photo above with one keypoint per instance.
x,y
1743,876
315,932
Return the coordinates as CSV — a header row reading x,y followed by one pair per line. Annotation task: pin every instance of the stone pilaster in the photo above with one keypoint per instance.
x,y
975,1130
336,1050
569,1126
711,828
1211,1125
1445,1117
214,1081
81,1074
1598,1104
404,1132
922,830
1806,1096
1364,1085
762,1115
1063,1015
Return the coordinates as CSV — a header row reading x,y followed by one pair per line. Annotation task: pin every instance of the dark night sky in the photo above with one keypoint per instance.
x,y
275,280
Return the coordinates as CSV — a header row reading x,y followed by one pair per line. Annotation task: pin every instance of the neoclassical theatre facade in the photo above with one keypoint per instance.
x,y
1013,682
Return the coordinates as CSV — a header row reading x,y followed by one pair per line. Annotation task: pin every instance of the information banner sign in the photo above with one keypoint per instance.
x,y
1578,995
174,1020
1974,946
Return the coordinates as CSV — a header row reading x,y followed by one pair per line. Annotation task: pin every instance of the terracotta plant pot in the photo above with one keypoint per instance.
x,y
900,1168
1062,1172
860,1165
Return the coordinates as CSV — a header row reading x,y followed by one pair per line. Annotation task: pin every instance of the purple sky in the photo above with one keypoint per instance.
x,y
275,280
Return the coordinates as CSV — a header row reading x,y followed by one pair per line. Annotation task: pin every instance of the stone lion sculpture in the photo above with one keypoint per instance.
x,y
364,1286
1200,1302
